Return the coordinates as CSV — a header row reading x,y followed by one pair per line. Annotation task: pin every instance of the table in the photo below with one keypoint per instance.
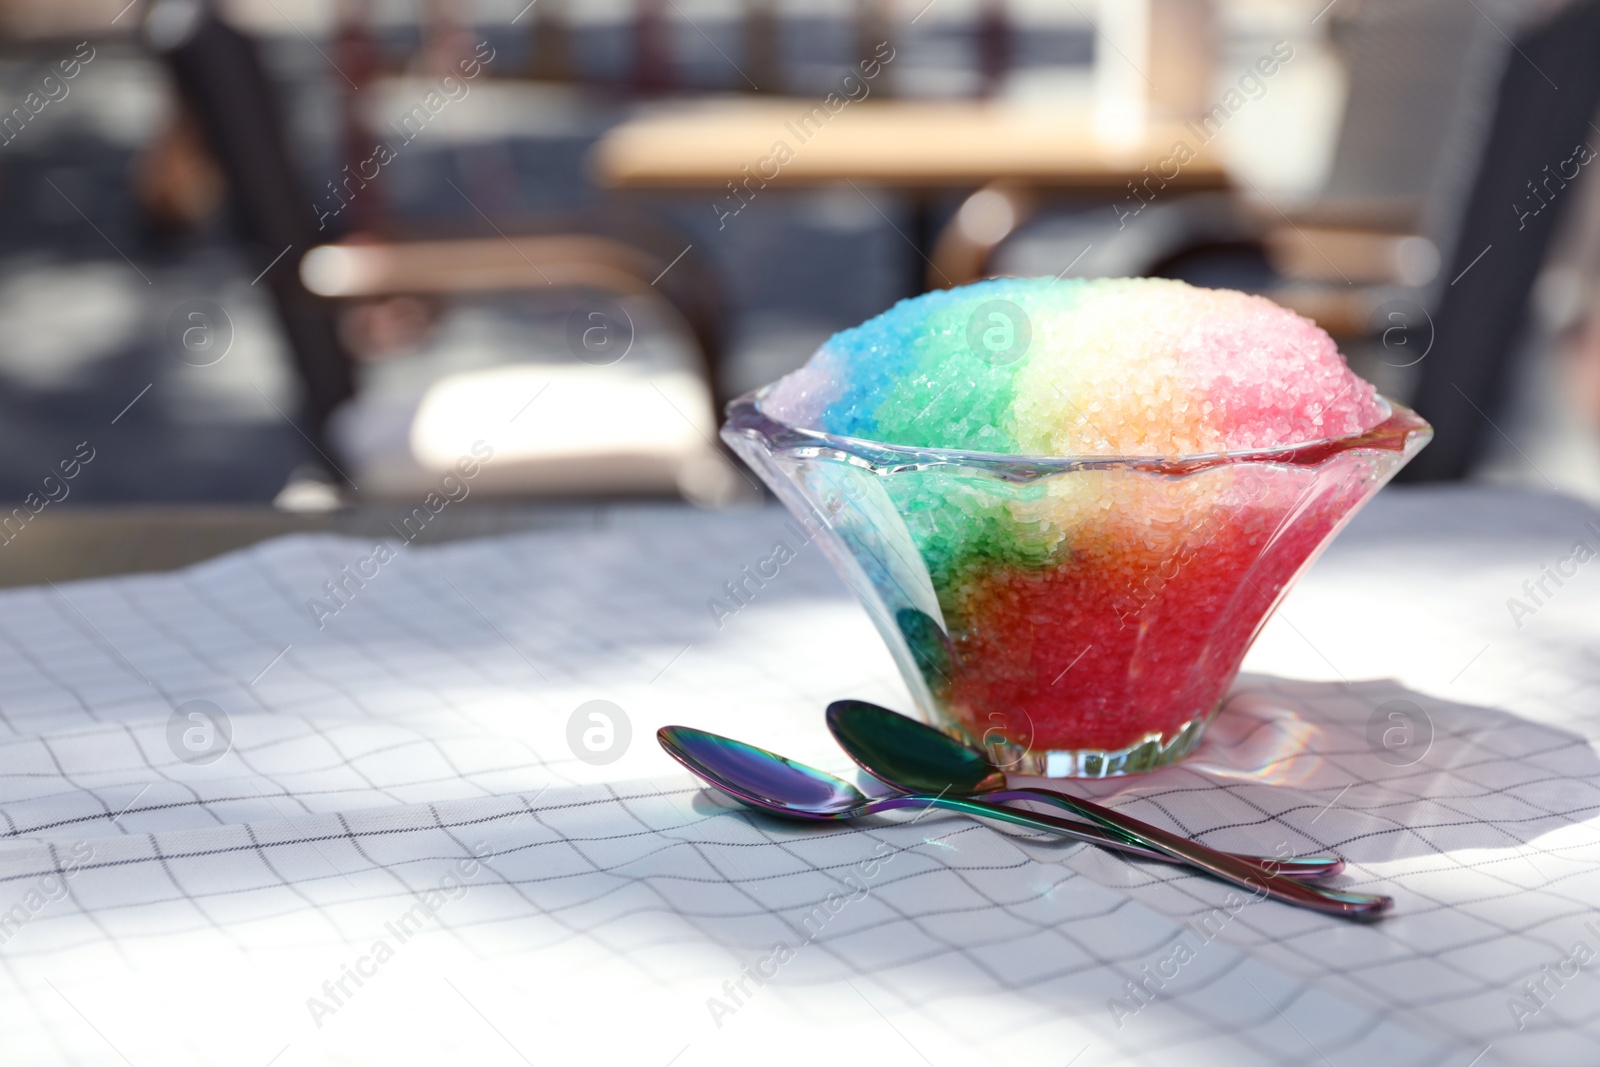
x,y
399,856
95,541
918,147
902,143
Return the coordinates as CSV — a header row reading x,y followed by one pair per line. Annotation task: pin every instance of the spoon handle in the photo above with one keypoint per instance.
x,y
1228,867
1079,831
1086,832
1304,867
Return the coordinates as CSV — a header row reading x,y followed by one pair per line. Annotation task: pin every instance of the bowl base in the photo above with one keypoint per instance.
x,y
1154,750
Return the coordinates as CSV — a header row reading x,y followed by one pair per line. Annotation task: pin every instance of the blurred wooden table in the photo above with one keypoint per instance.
x,y
734,149
90,542
902,143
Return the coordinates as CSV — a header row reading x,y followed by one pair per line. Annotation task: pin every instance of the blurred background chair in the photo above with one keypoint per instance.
x,y
373,290
1382,256
1540,135
1374,226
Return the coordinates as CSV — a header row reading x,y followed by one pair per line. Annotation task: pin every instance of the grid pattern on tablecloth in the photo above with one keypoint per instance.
x,y
445,677
950,913
1488,842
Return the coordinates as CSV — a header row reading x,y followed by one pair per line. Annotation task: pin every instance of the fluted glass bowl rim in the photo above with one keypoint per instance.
x,y
746,417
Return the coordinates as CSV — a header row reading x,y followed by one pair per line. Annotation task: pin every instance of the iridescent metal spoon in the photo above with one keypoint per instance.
x,y
913,757
782,786
917,758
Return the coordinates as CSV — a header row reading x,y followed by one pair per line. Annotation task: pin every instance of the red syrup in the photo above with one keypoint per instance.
x,y
1111,646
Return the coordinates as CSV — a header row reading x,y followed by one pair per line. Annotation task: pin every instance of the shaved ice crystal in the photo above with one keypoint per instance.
x,y
1108,367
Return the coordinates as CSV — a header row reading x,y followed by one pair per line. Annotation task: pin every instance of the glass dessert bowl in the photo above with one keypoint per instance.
x,y
1080,616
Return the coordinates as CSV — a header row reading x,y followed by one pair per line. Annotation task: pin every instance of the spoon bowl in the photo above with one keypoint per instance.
x,y
760,778
914,756
908,754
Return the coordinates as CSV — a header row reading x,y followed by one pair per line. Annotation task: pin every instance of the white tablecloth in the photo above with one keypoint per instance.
x,y
399,858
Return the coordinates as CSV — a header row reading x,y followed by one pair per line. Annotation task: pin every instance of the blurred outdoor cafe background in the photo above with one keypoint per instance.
x,y
303,255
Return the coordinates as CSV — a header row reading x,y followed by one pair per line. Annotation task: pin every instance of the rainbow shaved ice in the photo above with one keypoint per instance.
x,y
1097,611
1122,366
